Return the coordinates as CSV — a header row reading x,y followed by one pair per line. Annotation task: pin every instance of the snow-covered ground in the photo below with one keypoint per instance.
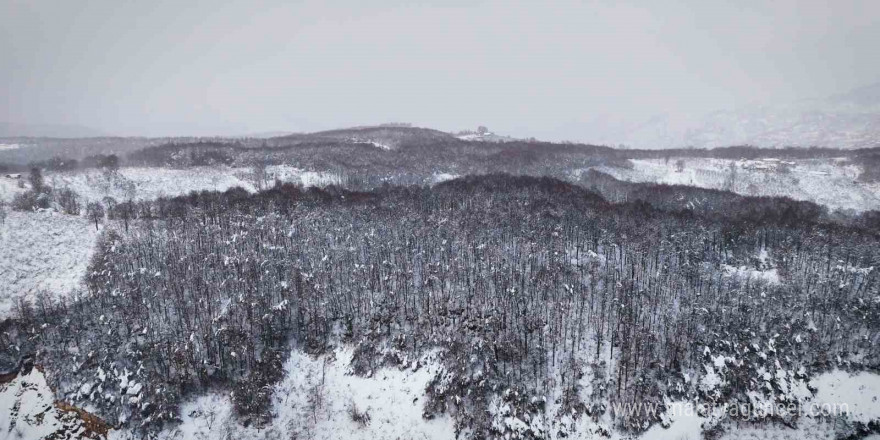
x,y
488,137
9,187
301,177
314,398
28,411
826,182
149,183
860,393
313,401
442,177
42,252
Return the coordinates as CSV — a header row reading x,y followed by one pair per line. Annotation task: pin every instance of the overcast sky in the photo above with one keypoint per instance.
x,y
530,68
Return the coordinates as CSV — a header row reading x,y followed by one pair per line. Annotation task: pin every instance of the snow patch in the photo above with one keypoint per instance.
x,y
857,395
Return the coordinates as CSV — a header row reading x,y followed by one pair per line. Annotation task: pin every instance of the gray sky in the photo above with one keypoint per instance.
x,y
529,68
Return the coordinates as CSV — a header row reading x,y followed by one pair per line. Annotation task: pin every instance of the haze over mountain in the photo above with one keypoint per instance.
x,y
847,120
11,129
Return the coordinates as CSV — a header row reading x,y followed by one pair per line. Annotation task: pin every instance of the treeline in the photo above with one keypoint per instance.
x,y
58,164
524,284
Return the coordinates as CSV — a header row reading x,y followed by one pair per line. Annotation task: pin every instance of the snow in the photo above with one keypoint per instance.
x,y
10,146
488,137
806,429
142,183
683,420
305,178
42,252
822,181
380,146
442,177
770,276
855,395
28,410
149,183
9,188
392,397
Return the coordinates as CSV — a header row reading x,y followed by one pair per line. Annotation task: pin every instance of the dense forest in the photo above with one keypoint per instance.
x,y
411,157
522,283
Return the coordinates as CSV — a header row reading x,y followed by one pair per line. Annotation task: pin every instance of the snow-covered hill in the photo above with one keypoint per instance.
x,y
832,183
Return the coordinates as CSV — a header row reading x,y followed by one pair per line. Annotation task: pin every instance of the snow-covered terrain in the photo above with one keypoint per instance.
x,y
314,401
42,252
9,187
826,182
28,411
315,398
148,183
442,177
297,176
487,137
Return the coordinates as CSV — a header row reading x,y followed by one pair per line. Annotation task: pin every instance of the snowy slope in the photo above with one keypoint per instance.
x,y
825,182
28,411
151,183
148,183
313,401
391,397
42,252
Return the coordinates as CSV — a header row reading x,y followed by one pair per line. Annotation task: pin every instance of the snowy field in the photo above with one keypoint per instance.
x,y
826,182
42,252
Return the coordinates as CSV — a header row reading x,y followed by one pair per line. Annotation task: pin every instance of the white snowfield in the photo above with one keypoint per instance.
x,y
42,252
827,182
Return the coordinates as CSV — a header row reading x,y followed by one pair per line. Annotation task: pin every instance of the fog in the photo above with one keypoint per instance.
x,y
557,70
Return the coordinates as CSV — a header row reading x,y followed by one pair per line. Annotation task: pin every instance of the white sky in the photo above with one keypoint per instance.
x,y
547,69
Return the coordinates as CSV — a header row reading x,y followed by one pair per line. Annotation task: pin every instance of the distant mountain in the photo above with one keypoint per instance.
x,y
388,137
848,120
11,129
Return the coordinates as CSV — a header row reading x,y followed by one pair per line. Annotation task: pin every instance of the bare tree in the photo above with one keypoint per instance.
x,y
95,212
679,165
